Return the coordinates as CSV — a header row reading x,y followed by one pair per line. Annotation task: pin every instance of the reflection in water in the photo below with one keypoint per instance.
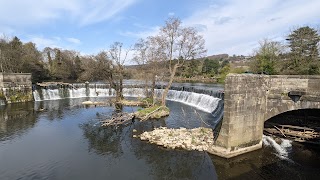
x,y
63,140
163,164
16,119
173,164
105,140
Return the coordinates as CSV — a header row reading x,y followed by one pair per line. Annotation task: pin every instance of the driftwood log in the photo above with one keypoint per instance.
x,y
148,115
118,119
124,118
296,133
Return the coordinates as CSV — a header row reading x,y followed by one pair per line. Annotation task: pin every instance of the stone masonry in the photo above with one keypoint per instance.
x,y
15,87
252,99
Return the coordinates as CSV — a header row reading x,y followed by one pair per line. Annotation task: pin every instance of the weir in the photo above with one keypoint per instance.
x,y
212,103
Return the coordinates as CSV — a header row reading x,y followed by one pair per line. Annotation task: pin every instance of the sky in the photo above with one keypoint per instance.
x,y
89,26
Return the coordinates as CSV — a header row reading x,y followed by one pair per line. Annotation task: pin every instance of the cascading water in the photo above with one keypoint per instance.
x,y
282,149
203,102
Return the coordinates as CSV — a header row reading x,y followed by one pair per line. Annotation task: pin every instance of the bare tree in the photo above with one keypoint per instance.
x,y
179,44
116,68
149,56
107,65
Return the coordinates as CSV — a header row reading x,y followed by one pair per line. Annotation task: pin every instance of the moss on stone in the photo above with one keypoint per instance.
x,y
19,96
126,102
154,112
2,97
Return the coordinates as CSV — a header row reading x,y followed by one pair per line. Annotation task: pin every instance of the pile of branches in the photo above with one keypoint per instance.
x,y
118,119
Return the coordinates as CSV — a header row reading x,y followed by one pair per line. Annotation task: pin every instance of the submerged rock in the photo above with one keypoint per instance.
x,y
199,139
92,103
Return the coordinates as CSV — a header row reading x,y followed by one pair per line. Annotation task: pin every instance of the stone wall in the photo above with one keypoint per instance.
x,y
15,87
251,99
15,79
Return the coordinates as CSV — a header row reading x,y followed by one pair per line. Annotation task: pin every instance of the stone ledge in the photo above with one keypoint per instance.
x,y
276,76
227,153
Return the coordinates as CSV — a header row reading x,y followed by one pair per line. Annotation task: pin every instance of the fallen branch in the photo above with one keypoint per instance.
x,y
148,115
280,131
118,119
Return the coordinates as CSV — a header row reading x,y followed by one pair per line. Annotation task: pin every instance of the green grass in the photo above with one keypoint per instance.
x,y
146,111
150,109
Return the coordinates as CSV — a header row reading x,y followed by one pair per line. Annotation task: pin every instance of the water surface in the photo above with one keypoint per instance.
x,y
62,139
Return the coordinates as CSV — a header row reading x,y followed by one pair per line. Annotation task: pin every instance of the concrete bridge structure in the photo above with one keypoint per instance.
x,y
252,99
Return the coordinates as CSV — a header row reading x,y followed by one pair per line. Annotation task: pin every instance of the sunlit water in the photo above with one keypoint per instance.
x,y
62,139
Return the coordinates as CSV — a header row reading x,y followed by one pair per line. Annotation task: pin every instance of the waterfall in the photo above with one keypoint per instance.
x,y
203,102
282,149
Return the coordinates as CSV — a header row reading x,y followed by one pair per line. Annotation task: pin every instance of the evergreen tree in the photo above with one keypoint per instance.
x,y
304,55
210,66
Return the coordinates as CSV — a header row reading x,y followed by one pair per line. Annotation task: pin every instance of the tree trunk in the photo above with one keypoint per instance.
x,y
152,88
146,88
165,92
120,95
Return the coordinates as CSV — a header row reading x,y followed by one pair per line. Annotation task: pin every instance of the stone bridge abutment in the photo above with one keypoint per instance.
x,y
251,99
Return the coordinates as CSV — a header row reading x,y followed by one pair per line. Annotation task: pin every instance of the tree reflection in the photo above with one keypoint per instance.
x,y
103,140
173,164
16,119
164,164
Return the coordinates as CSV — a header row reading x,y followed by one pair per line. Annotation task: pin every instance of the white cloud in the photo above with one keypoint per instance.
x,y
150,31
171,14
29,12
17,13
74,40
235,27
100,10
42,42
53,42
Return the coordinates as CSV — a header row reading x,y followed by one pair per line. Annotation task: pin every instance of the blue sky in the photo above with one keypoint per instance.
x,y
88,26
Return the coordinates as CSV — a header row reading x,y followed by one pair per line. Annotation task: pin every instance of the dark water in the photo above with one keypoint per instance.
x,y
62,140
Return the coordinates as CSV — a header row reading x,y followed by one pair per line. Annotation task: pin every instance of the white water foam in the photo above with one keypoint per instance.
x,y
200,101
50,94
282,149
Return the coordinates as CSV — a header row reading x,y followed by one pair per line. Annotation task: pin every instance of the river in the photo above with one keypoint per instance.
x,y
62,139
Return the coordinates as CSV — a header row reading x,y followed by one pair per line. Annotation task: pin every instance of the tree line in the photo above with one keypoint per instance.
x,y
300,55
175,50
160,55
